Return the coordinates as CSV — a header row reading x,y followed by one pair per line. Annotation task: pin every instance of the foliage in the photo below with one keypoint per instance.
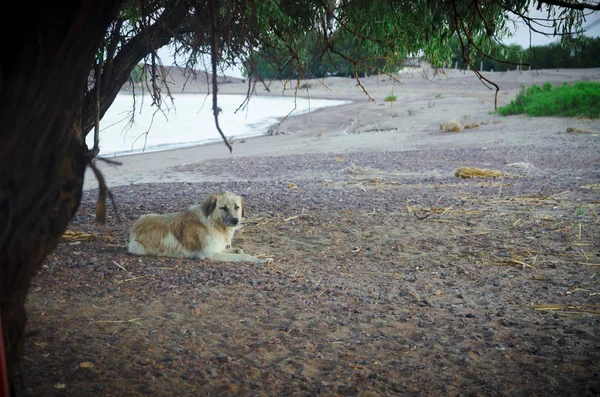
x,y
138,74
579,99
573,53
390,98
300,39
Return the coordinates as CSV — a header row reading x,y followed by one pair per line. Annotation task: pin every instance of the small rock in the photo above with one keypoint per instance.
x,y
213,372
222,358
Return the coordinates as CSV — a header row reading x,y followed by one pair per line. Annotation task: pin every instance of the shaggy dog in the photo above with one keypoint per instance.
x,y
201,231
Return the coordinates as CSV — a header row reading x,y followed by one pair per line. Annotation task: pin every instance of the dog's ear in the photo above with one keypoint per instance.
x,y
243,209
209,205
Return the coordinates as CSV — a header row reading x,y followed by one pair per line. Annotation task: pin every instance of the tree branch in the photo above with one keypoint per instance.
x,y
458,22
214,49
146,42
572,6
103,190
96,149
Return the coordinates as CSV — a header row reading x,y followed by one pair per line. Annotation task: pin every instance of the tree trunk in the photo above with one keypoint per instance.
x,y
43,74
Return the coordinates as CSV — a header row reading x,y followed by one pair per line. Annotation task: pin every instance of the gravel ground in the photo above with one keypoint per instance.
x,y
391,277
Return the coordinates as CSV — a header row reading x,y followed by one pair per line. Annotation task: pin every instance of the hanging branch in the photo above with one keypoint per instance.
x,y
91,155
103,191
329,44
214,45
467,58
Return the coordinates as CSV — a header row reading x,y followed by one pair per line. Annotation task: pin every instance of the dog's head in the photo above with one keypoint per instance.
x,y
226,208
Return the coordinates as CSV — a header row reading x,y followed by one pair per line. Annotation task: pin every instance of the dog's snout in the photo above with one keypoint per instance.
x,y
235,221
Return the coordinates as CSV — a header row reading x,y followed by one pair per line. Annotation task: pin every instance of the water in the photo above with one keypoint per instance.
x,y
189,121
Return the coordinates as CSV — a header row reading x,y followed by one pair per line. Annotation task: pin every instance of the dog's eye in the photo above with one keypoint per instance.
x,y
224,208
237,207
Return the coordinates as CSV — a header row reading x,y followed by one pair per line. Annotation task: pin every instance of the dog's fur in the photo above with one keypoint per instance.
x,y
201,231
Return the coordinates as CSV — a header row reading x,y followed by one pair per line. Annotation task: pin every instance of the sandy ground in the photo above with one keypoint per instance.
x,y
391,275
413,122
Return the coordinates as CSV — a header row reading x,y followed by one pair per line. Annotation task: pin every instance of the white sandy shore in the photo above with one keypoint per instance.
x,y
412,122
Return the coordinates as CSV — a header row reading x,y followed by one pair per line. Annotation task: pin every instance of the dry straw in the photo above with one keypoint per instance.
x,y
471,172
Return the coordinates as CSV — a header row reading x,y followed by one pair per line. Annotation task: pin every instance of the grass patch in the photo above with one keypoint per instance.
x,y
390,98
581,99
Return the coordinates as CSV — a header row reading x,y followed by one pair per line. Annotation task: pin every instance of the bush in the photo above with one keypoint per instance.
x,y
579,99
390,98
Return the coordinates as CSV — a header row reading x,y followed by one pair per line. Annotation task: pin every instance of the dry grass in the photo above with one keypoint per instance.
x,y
585,310
471,172
76,235
451,126
593,186
576,130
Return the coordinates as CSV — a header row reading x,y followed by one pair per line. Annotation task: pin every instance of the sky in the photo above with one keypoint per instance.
x,y
521,37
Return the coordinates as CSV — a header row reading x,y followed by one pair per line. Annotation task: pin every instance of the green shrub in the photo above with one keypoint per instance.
x,y
390,98
581,99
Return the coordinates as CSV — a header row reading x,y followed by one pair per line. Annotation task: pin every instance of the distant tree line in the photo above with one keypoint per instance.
x,y
279,63
283,62
578,53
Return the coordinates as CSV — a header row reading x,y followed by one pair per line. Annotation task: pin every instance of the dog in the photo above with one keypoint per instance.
x,y
202,231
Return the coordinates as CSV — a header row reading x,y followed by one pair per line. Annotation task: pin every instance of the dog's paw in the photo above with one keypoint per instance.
x,y
237,251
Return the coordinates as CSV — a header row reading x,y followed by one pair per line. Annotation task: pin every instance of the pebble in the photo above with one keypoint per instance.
x,y
222,358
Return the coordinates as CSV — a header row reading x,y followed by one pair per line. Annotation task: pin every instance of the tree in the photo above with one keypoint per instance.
x,y
43,74
60,74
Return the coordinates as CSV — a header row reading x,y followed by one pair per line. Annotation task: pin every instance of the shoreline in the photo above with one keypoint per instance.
x,y
133,125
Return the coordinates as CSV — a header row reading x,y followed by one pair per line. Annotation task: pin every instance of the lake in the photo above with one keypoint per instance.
x,y
188,120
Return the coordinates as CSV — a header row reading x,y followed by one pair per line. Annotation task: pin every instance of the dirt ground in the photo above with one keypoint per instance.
x,y
391,276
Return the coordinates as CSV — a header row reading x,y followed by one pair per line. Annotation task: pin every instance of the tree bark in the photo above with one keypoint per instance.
x,y
43,77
